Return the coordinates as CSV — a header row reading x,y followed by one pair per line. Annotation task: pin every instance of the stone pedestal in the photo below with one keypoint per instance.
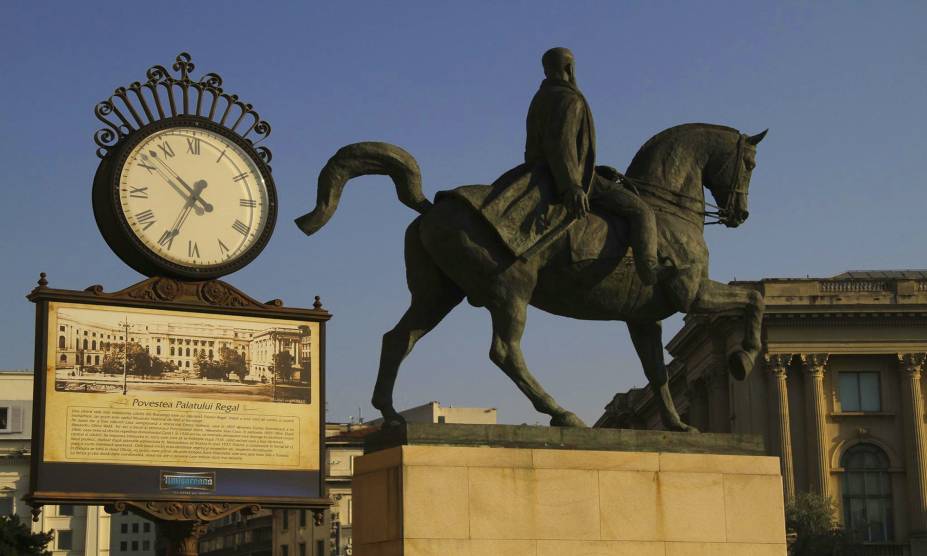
x,y
482,490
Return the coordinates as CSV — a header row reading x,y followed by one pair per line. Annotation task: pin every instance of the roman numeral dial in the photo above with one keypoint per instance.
x,y
195,198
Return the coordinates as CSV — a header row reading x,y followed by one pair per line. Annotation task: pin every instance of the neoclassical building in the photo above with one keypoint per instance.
x,y
82,343
837,394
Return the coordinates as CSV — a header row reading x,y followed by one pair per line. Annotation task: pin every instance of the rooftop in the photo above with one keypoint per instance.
x,y
909,274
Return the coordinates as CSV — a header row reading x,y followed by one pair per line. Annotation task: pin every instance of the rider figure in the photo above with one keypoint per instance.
x,y
561,135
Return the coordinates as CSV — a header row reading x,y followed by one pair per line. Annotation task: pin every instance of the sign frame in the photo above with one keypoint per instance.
x,y
212,297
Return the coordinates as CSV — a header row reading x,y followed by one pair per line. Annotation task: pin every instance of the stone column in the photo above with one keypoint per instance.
x,y
814,364
778,365
912,402
719,406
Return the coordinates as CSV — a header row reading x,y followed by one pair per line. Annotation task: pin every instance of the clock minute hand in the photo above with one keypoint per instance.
x,y
174,231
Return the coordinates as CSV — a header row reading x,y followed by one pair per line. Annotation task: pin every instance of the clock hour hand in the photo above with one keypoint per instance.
x,y
206,206
197,194
167,178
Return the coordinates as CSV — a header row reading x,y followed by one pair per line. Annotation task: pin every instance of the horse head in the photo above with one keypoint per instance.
x,y
728,178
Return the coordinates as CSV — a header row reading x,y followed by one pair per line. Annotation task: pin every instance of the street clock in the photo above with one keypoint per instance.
x,y
182,190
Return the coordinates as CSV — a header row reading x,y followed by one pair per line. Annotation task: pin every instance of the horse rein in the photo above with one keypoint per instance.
x,y
720,215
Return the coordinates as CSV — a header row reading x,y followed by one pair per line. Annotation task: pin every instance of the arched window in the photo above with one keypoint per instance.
x,y
61,342
94,344
64,358
867,493
85,343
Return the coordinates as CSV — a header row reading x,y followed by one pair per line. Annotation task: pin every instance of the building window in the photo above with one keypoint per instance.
x,y
146,545
302,549
302,518
146,527
66,509
124,528
6,424
124,546
860,392
61,342
135,527
65,540
134,546
284,550
867,493
286,519
6,505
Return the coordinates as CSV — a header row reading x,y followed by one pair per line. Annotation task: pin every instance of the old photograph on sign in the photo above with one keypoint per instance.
x,y
150,387
136,353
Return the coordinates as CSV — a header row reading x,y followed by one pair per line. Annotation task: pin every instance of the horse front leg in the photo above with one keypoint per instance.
x,y
508,324
715,297
647,337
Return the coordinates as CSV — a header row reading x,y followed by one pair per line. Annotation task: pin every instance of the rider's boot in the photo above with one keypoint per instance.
x,y
650,270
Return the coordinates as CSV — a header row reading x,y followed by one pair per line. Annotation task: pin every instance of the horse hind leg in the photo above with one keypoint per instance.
x,y
647,338
434,295
508,325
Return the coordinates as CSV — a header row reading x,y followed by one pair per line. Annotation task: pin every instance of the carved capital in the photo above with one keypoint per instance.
x,y
912,363
814,363
778,363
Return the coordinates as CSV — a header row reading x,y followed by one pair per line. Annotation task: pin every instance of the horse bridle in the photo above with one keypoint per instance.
x,y
737,187
721,215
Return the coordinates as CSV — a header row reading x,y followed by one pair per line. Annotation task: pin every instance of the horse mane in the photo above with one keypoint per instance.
x,y
670,134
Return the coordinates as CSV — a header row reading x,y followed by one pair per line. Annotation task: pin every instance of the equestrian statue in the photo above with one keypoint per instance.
x,y
566,236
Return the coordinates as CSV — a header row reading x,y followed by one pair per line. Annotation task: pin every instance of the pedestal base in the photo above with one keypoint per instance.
x,y
424,500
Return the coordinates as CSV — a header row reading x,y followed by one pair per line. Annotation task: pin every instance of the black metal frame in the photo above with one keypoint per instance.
x,y
107,208
159,293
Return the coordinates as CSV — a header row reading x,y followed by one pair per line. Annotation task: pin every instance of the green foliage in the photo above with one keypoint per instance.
x,y
813,518
16,539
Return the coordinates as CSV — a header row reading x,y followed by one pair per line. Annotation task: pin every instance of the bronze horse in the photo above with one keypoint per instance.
x,y
451,252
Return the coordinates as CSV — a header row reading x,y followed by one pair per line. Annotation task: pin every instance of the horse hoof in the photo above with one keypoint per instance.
x,y
568,419
740,364
677,425
393,420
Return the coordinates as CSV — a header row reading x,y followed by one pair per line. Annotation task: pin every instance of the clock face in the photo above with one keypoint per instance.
x,y
193,197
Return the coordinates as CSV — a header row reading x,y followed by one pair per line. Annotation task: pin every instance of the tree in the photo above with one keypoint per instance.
x,y
812,518
230,362
283,365
16,539
140,362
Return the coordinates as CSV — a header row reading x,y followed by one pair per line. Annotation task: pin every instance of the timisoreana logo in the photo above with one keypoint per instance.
x,y
199,481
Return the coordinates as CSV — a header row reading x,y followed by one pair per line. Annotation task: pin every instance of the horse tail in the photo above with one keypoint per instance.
x,y
361,159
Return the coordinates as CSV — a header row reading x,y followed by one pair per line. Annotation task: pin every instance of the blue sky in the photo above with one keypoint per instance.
x,y
839,183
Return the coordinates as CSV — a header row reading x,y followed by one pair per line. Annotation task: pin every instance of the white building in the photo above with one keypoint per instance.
x,y
79,530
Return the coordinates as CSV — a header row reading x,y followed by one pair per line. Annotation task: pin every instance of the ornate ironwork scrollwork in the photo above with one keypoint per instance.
x,y
164,95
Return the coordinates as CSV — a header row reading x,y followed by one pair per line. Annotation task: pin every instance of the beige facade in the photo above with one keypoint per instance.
x,y
79,530
837,393
434,412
